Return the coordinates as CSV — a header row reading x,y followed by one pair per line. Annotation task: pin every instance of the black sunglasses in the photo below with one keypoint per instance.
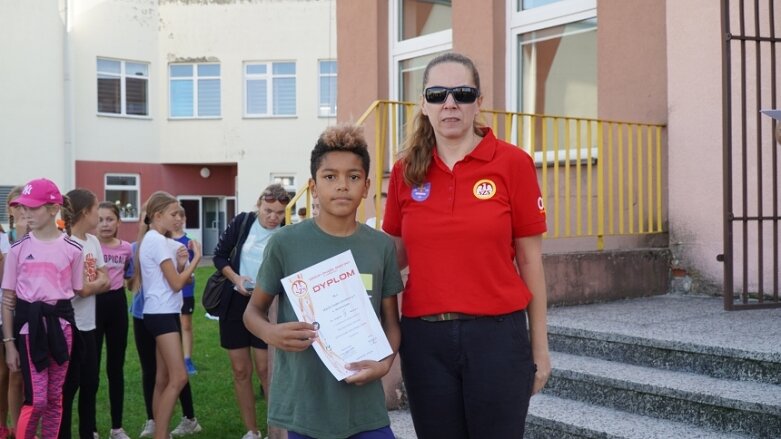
x,y
462,95
268,197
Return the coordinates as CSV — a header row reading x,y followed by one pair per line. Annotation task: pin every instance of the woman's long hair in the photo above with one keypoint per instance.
x,y
418,147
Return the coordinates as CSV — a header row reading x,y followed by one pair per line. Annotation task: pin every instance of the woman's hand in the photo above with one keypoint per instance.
x,y
291,336
542,361
240,282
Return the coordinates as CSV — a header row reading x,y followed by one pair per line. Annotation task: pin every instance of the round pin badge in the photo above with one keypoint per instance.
x,y
484,189
422,192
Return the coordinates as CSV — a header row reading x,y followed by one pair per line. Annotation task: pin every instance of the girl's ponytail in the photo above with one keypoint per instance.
x,y
67,214
79,202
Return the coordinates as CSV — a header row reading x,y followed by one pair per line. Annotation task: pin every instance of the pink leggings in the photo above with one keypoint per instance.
x,y
42,393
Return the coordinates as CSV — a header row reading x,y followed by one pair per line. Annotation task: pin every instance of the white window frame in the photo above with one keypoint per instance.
x,y
412,47
194,78
118,187
269,77
321,110
530,20
123,90
280,177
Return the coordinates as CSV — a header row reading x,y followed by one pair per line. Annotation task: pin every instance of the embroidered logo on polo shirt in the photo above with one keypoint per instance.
x,y
29,257
541,206
484,189
421,193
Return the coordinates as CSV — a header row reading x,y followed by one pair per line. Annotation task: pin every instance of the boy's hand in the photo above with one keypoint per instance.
x,y
366,372
292,336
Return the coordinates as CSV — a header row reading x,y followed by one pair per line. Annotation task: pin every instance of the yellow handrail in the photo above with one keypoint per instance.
x,y
598,177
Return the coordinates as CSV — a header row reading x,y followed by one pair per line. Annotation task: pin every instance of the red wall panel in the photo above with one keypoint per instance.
x,y
175,179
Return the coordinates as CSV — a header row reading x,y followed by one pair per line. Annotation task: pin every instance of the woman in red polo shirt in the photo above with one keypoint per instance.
x,y
466,213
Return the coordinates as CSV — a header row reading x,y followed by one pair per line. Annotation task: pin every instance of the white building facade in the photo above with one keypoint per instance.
x,y
208,100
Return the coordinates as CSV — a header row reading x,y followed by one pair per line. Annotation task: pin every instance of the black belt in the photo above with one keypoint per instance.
x,y
447,316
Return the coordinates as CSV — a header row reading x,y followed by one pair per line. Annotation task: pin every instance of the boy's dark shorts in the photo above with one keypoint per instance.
x,y
234,335
188,305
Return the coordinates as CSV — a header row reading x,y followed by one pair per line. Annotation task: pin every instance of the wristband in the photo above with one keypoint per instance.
x,y
6,340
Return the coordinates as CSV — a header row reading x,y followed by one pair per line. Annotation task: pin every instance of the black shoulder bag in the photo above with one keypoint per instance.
x,y
212,292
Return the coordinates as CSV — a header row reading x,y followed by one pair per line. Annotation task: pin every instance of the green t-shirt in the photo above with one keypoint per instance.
x,y
305,397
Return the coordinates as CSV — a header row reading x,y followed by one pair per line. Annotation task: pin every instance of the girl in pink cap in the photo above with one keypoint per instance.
x,y
43,272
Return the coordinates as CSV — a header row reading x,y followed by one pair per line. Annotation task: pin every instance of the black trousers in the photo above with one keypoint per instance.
x,y
82,377
146,345
111,323
468,378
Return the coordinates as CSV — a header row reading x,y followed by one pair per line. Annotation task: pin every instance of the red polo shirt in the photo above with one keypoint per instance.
x,y
458,229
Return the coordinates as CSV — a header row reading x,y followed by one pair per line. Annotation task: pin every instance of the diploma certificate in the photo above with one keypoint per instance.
x,y
331,296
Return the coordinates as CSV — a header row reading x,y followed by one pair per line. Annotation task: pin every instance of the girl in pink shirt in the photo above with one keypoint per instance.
x,y
111,315
43,272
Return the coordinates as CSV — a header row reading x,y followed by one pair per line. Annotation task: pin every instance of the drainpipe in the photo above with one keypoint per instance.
x,y
68,104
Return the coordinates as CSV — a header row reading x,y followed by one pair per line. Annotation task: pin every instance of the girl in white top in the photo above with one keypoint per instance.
x,y
163,273
81,218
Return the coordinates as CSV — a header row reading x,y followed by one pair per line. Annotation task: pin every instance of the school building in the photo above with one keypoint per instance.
x,y
208,100
652,154
653,179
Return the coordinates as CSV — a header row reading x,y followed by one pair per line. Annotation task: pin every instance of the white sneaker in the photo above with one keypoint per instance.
x,y
119,433
187,426
149,429
211,317
252,435
95,435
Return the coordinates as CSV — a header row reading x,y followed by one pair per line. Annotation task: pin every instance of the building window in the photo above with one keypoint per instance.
x,y
558,70
327,103
194,90
423,17
124,190
412,50
123,87
531,4
420,30
270,89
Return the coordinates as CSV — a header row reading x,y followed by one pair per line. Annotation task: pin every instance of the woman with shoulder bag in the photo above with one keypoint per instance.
x,y
240,267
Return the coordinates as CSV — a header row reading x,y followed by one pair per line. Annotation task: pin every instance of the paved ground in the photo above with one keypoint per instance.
x,y
691,319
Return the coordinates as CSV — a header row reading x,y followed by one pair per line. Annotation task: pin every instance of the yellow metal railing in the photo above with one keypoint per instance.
x,y
598,177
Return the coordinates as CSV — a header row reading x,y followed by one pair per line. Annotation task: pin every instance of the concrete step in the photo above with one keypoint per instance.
x,y
752,408
552,417
653,350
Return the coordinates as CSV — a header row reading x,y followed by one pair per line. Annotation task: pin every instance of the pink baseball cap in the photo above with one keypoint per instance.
x,y
38,192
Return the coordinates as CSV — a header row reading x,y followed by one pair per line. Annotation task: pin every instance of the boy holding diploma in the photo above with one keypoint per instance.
x,y
306,399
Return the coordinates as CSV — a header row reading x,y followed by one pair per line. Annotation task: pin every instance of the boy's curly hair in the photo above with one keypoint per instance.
x,y
347,138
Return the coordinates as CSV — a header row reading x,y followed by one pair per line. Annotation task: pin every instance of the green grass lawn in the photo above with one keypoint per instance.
x,y
213,396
